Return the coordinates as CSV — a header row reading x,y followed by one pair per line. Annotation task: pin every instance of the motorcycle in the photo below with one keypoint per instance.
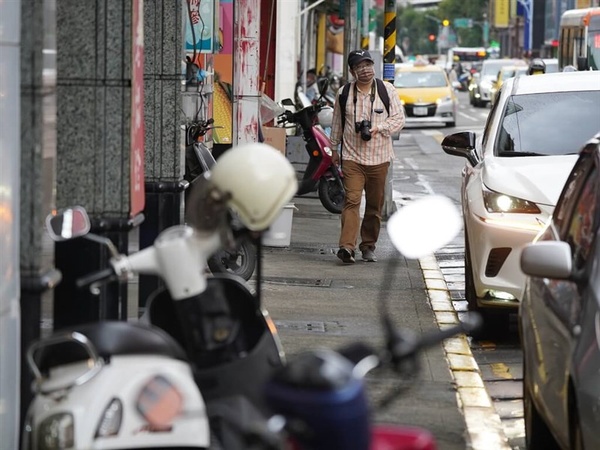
x,y
163,382
240,257
320,174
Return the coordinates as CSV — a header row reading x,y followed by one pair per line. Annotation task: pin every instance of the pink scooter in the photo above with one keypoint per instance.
x,y
321,174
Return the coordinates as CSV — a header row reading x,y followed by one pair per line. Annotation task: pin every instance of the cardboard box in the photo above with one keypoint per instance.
x,y
275,136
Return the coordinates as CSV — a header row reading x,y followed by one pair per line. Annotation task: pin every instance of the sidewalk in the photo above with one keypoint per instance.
x,y
316,301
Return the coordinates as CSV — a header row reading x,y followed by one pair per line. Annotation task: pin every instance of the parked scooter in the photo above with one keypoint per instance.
x,y
238,258
320,174
131,386
111,385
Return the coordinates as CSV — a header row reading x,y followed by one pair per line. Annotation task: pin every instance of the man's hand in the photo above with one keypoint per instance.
x,y
335,158
380,129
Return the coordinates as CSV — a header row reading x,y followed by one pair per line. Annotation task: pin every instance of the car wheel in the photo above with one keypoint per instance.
x,y
537,434
450,124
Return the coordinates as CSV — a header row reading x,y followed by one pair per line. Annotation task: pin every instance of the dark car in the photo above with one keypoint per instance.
x,y
559,316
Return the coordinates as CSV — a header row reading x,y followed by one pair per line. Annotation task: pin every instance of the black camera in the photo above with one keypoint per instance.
x,y
364,128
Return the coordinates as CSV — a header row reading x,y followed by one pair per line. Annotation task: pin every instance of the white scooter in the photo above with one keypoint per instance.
x,y
123,385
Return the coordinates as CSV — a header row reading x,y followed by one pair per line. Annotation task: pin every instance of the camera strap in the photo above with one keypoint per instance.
x,y
356,97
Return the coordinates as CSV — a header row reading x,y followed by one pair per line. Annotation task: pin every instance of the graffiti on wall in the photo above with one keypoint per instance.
x,y
200,34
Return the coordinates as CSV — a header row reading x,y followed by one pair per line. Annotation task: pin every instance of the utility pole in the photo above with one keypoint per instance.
x,y
389,60
350,31
389,39
366,6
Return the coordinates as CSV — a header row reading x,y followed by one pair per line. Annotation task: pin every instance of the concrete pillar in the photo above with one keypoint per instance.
x,y
94,152
38,155
10,46
164,167
287,50
246,48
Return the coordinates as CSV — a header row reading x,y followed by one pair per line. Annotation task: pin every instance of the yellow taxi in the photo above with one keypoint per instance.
x,y
504,74
426,94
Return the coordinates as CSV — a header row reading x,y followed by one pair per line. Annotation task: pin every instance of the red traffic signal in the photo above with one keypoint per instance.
x,y
432,37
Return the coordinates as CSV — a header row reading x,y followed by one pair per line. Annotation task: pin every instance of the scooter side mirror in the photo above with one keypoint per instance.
x,y
423,226
68,223
323,86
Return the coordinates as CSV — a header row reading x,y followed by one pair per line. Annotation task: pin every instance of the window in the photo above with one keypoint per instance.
x,y
583,221
555,123
570,191
420,80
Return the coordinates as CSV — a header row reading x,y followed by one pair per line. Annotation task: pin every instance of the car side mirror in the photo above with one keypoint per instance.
x,y
461,144
287,102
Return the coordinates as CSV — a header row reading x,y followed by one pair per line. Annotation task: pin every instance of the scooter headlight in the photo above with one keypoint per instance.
x,y
57,432
110,422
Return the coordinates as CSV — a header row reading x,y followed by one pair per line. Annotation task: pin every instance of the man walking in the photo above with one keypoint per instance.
x,y
364,124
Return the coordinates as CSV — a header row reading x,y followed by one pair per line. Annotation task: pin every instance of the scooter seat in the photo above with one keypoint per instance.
x,y
109,338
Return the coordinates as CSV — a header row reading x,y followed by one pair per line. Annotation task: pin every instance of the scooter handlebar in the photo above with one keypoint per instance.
x,y
100,275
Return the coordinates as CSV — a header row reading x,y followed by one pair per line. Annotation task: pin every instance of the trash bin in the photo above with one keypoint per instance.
x,y
279,233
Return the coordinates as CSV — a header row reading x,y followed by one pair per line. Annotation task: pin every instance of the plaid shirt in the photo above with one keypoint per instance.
x,y
379,149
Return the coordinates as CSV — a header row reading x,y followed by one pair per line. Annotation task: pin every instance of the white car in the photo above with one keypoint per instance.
x,y
513,176
481,84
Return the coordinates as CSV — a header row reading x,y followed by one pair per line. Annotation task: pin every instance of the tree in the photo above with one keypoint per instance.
x,y
413,28
472,9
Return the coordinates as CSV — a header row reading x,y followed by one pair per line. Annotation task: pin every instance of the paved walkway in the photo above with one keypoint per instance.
x,y
317,301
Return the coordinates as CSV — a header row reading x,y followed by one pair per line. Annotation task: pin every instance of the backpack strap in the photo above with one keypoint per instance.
x,y
343,99
383,94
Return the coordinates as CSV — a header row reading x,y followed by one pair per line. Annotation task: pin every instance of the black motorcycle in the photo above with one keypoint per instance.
x,y
240,258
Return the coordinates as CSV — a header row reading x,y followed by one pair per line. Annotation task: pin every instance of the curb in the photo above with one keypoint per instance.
x,y
483,425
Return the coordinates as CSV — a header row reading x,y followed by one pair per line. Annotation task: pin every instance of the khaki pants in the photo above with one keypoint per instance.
x,y
371,179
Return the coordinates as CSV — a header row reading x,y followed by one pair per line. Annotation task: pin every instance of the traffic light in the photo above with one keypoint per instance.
x,y
445,22
432,37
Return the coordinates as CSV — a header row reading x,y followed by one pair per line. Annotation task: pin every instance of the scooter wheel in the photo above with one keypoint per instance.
x,y
331,195
240,262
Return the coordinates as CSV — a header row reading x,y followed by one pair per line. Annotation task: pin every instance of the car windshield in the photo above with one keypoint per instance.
x,y
552,123
491,68
420,80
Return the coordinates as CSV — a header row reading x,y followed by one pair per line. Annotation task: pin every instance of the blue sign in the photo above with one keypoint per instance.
x,y
388,71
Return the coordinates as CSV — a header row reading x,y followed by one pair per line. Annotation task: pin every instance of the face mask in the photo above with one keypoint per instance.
x,y
364,74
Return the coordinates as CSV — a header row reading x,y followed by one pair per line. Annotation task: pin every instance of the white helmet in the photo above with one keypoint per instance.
x,y
260,181
326,116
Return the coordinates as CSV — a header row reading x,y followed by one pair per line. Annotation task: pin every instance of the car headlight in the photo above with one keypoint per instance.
x,y
57,432
501,203
446,99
